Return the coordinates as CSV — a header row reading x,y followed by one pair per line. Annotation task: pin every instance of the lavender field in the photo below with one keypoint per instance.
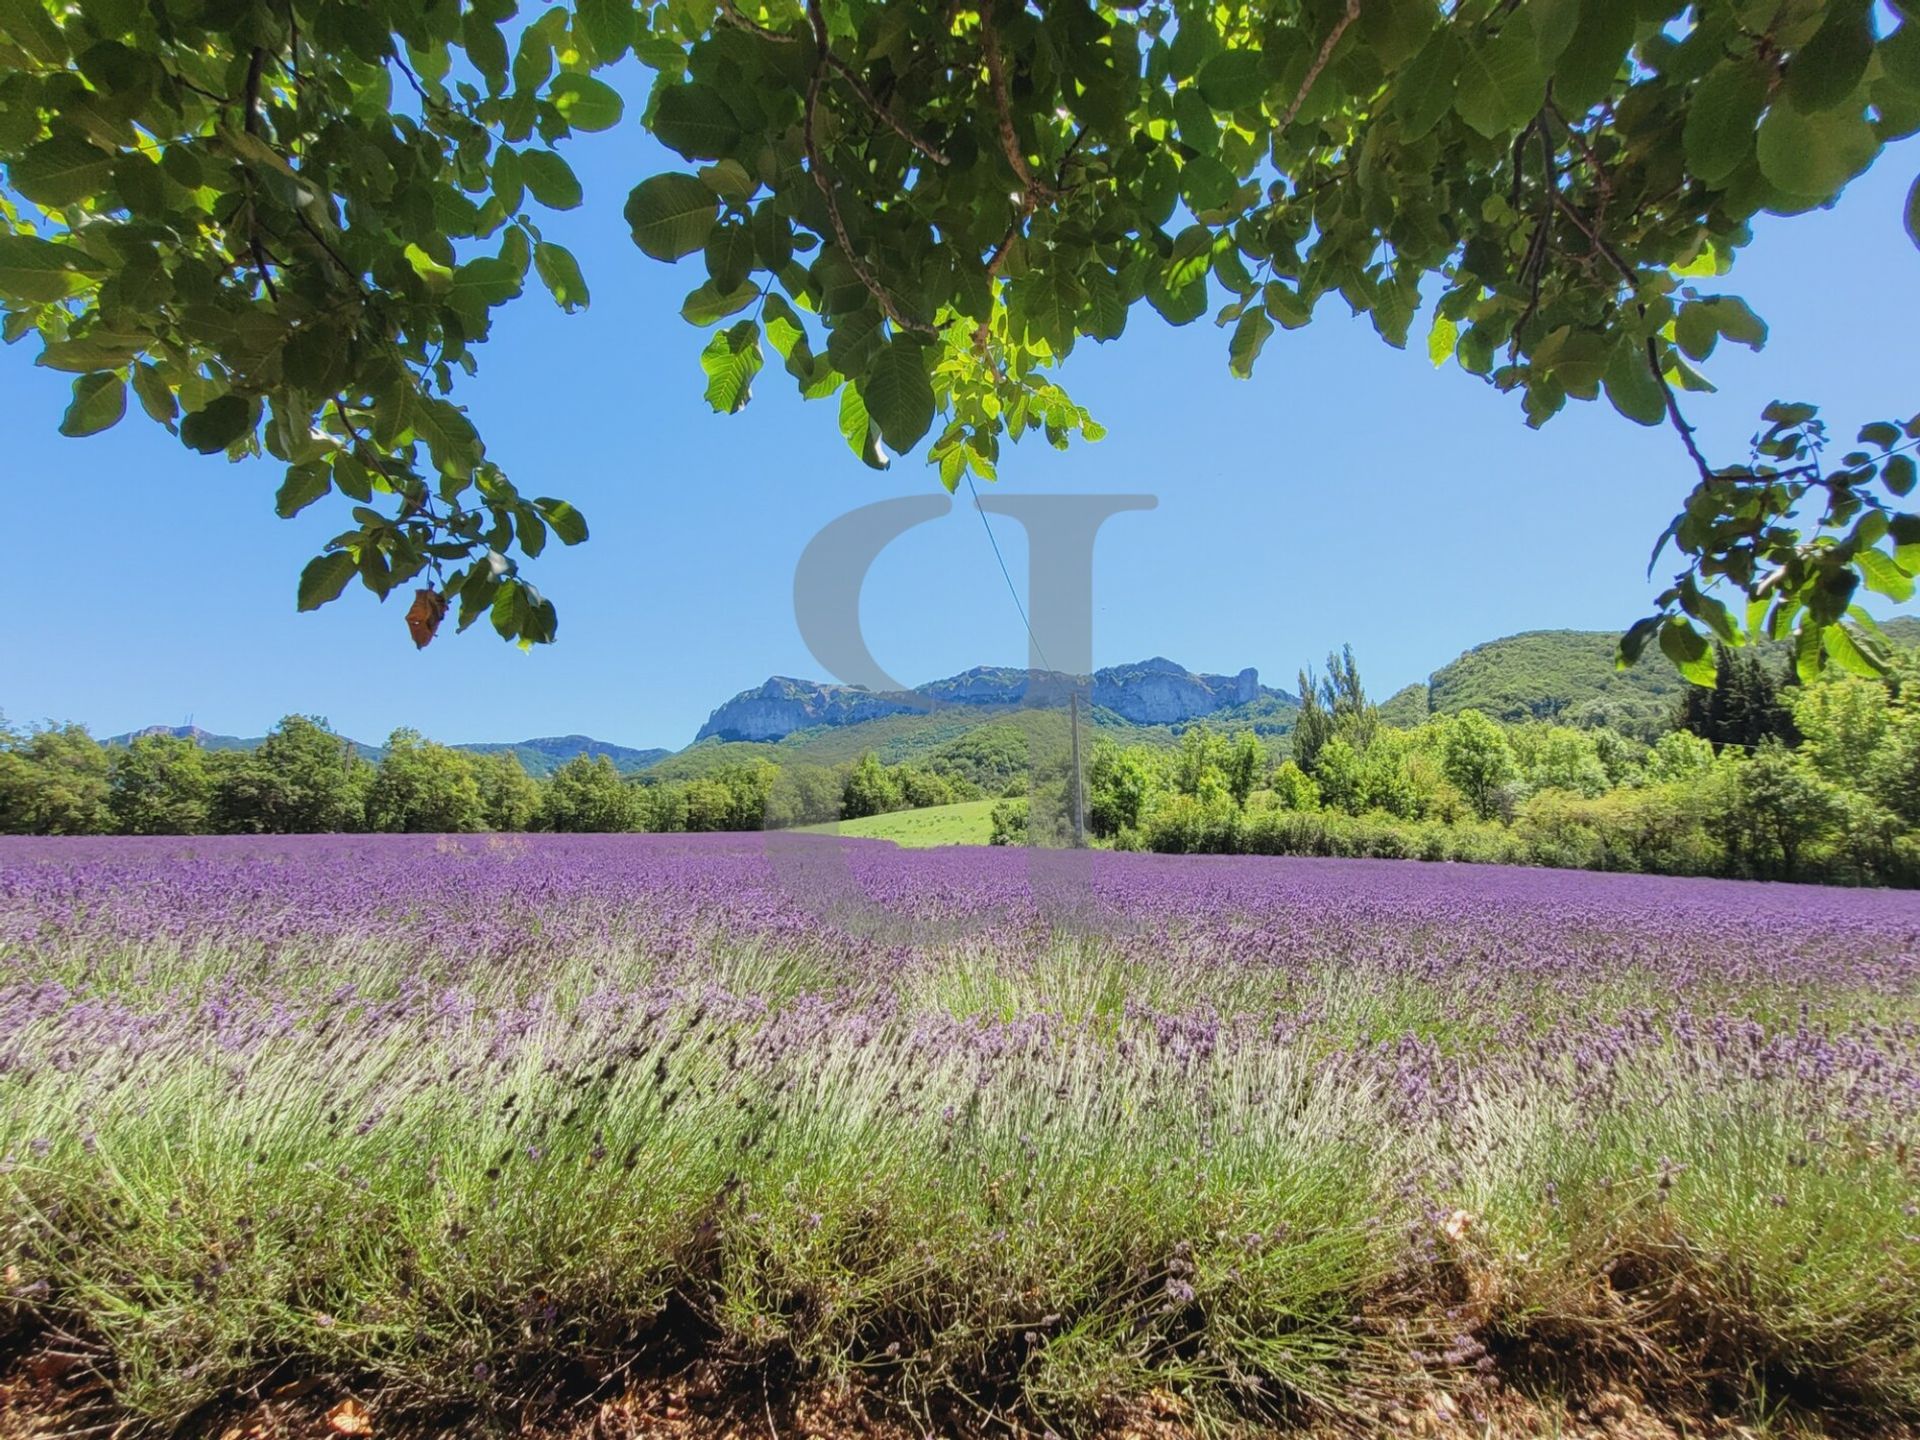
x,y
482,1125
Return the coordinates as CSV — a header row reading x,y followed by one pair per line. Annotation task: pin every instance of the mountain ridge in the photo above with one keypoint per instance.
x,y
1533,674
538,757
1155,691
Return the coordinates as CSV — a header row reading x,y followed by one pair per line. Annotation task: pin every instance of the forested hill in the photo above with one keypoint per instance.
x,y
538,757
1567,675
1555,674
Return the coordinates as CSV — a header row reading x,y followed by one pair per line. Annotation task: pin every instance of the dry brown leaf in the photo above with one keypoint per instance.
x,y
350,1417
424,616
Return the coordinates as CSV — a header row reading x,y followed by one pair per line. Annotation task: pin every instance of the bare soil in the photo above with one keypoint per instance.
x,y
52,1392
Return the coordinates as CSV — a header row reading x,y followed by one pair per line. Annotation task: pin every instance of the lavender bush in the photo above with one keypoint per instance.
x,y
493,1119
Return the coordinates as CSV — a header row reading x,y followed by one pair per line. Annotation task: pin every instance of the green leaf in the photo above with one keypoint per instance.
x,y
1555,23
840,289
61,170
560,273
324,578
1423,91
1577,359
1207,185
156,396
696,121
1826,70
1441,340
1845,650
729,256
1807,651
27,24
1899,55
1711,613
1633,644
1286,305
1500,86
1687,648
539,623
480,284
784,327
1233,79
857,427
217,425
1913,212
1881,575
1249,338
508,609
96,350
99,400
730,181
899,394
1722,118
1587,68
487,48
1814,156
1105,317
1047,306
1905,530
731,360
1898,475
551,179
568,523
448,434
1735,319
607,26
350,477
1631,385
1177,288
704,304
670,215
38,271
1696,331
303,485
586,103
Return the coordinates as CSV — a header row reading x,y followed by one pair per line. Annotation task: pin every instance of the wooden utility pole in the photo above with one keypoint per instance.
x,y
1079,800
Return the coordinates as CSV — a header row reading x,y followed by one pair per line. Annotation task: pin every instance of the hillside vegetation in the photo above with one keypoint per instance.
x,y
1555,674
1570,675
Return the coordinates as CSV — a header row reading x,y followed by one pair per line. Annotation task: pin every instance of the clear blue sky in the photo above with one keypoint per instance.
x,y
1347,493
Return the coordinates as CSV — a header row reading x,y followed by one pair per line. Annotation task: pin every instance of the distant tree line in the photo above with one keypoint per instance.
x,y
1760,777
303,778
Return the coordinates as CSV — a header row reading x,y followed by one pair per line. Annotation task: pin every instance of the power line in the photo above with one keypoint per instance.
x,y
1012,590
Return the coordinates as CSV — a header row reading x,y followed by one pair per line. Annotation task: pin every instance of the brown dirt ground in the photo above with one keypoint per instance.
x,y
51,1393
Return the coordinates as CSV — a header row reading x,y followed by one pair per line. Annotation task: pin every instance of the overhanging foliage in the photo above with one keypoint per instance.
x,y
285,227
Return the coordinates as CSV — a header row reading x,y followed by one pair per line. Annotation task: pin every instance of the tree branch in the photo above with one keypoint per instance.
x,y
1533,270
732,14
816,166
1351,14
1674,415
250,119
1032,188
886,117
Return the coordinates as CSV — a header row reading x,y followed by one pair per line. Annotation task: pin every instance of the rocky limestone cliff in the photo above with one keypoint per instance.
x,y
1159,692
1150,692
784,705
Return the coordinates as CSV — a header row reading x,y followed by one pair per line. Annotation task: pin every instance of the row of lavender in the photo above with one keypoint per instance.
x,y
480,1115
